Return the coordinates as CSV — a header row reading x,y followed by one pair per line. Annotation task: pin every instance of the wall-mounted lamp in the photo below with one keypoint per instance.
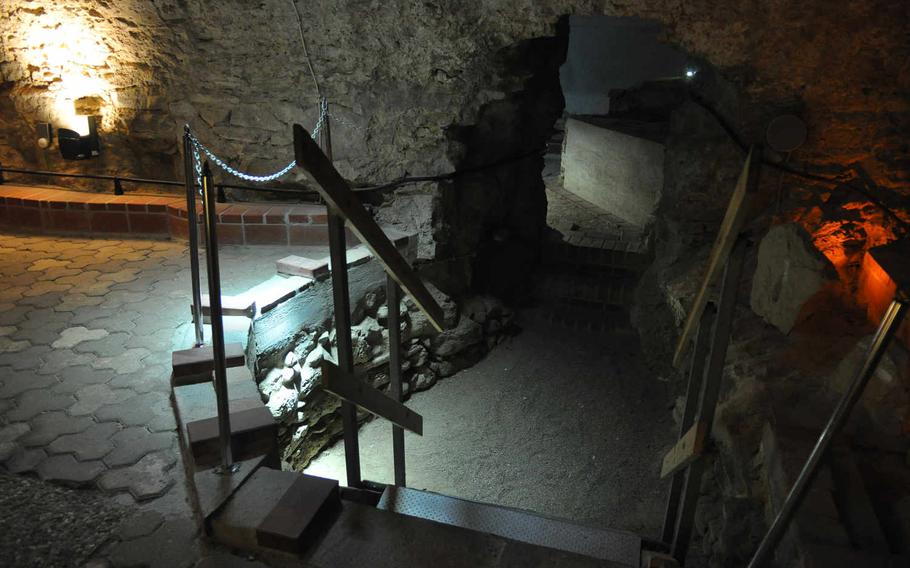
x,y
74,146
45,135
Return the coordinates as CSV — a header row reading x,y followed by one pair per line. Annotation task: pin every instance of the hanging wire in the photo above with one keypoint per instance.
x,y
306,52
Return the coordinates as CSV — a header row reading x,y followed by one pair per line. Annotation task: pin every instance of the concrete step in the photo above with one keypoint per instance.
x,y
187,365
279,510
619,547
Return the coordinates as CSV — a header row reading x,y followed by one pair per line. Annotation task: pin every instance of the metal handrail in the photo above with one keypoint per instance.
x,y
119,180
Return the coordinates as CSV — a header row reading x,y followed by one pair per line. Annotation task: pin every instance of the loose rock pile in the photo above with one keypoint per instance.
x,y
308,416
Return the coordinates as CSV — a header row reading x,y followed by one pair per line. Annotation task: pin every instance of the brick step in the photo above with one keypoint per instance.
x,y
607,289
187,365
603,253
608,319
279,510
253,430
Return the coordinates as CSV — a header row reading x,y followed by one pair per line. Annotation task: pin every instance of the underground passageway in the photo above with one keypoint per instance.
x,y
512,284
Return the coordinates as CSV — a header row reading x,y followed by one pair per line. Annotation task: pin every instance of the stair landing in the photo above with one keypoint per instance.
x,y
618,547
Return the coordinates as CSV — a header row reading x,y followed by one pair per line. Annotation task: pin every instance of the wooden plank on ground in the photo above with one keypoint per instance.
x,y
687,448
734,220
337,193
335,381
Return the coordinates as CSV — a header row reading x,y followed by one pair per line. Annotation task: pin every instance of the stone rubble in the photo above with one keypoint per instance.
x,y
309,416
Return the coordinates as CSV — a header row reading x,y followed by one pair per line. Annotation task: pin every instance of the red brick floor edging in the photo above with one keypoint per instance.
x,y
56,211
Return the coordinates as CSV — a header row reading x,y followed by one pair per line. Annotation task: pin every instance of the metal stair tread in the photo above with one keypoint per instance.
x,y
523,526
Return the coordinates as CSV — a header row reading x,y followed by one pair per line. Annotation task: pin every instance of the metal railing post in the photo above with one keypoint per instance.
x,y
189,177
211,254
2,181
342,301
887,328
393,296
118,187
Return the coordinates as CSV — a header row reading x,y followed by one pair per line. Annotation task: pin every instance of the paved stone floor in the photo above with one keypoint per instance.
x,y
87,327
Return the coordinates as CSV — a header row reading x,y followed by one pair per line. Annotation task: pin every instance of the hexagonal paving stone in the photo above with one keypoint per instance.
x,y
108,346
34,402
37,335
16,382
49,426
64,469
131,444
44,264
52,274
92,444
139,410
25,460
173,545
75,335
14,316
91,398
48,300
10,345
11,432
25,359
59,359
75,378
44,287
148,478
77,300
150,378
121,276
123,320
81,261
139,525
127,362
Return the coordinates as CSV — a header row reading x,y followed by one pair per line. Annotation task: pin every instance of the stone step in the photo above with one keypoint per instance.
x,y
189,364
302,266
619,547
823,556
279,510
277,289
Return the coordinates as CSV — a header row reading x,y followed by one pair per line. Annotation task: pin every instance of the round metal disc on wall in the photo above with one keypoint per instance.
x,y
786,133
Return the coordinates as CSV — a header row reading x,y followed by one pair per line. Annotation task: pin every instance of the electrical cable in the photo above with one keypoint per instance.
x,y
306,51
832,182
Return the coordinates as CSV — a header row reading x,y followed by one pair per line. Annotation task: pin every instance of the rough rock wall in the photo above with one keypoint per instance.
x,y
406,79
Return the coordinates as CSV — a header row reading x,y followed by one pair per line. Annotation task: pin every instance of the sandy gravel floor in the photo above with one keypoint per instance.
x,y
556,421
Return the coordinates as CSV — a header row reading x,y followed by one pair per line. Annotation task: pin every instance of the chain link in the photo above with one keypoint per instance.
x,y
199,146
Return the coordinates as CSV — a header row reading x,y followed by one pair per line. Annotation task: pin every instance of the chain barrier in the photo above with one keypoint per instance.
x,y
200,147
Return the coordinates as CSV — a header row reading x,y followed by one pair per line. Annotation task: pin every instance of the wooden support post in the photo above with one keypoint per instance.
x,y
709,394
348,387
693,392
393,293
687,449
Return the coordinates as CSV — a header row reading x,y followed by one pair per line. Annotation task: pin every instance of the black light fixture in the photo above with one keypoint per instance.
x,y
74,146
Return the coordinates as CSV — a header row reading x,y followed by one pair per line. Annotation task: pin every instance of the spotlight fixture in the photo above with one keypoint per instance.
x,y
691,72
74,146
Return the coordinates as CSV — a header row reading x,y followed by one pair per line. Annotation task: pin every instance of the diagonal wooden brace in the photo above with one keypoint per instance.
x,y
336,192
368,398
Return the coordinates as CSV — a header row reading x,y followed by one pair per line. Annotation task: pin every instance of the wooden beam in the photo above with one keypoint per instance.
x,y
687,448
337,193
734,220
370,399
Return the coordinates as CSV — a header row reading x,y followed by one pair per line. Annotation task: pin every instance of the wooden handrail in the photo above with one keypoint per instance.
x,y
338,195
735,218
